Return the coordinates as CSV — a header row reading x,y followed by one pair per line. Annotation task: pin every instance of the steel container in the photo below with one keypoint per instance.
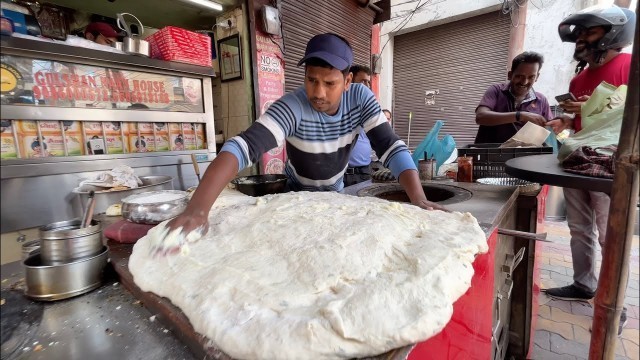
x,y
66,241
55,282
153,212
29,248
105,198
135,46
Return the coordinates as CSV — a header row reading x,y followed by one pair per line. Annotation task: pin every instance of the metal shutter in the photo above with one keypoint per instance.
x,y
459,60
302,19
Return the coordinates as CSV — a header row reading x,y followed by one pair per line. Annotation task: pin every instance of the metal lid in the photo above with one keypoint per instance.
x,y
68,229
147,198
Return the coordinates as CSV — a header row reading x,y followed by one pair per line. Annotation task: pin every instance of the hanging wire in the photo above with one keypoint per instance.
x,y
512,7
404,22
515,14
539,4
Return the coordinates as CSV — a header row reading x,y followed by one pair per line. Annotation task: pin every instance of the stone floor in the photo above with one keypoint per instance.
x,y
562,330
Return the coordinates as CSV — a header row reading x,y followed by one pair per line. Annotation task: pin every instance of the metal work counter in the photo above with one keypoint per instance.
x,y
109,323
488,204
546,169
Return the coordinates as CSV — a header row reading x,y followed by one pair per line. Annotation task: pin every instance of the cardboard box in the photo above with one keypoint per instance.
x,y
92,131
144,143
49,144
201,141
9,150
162,137
73,134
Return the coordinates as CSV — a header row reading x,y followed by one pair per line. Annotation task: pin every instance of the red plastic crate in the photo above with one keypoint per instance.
x,y
176,44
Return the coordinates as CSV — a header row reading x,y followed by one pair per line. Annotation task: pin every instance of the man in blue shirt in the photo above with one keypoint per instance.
x,y
360,160
319,123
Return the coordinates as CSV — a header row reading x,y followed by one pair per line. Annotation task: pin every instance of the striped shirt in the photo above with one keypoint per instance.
x,y
318,145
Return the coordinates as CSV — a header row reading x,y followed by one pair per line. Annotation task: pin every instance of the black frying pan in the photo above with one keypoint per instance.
x,y
260,185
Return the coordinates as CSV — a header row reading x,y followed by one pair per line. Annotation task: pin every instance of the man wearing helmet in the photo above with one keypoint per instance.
x,y
599,36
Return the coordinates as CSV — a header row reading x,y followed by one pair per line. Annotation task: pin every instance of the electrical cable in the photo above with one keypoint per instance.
x,y
404,22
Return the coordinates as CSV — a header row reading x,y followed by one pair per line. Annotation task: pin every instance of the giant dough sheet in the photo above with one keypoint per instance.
x,y
316,275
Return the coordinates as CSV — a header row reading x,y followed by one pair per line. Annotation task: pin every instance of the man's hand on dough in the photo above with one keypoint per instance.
x,y
428,205
190,220
192,225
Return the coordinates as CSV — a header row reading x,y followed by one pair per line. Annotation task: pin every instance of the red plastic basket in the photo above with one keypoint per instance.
x,y
176,44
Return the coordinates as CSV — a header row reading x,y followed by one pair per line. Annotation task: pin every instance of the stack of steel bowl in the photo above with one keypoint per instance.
x,y
70,261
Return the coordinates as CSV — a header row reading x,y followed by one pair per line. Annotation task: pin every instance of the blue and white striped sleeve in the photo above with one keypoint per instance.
x,y
268,132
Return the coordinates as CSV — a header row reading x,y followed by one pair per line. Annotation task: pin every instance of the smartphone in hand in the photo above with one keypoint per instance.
x,y
564,97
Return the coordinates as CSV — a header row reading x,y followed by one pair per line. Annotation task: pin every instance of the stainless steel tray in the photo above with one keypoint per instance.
x,y
504,181
525,187
104,199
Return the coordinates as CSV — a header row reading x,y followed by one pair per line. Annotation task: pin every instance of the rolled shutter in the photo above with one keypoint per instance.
x,y
302,19
457,61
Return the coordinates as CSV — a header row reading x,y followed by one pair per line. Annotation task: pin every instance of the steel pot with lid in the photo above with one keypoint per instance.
x,y
66,241
54,282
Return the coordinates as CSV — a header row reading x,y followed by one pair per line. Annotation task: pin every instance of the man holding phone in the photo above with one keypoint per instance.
x,y
599,36
505,108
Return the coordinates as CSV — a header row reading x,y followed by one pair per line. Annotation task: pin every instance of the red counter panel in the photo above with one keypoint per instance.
x,y
468,335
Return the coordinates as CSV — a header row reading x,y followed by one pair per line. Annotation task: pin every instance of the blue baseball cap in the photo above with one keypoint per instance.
x,y
330,48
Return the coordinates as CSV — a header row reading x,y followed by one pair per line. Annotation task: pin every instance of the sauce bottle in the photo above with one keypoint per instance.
x,y
465,169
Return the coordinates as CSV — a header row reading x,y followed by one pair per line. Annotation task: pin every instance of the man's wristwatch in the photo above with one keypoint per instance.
x,y
517,116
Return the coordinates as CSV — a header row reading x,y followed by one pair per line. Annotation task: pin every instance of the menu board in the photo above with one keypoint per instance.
x,y
27,81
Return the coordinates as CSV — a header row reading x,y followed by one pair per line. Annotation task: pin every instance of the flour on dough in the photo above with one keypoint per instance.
x,y
316,275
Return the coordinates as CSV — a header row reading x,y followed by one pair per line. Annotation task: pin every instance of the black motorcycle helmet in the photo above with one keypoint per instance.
x,y
620,22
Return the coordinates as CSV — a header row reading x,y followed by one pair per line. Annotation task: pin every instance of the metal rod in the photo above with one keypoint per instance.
x,y
155,137
14,130
104,139
85,141
40,139
614,272
64,138
523,234
123,138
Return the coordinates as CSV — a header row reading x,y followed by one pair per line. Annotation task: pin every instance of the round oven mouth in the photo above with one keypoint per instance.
x,y
441,194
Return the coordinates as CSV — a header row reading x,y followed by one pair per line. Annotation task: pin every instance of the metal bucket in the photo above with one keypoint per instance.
x,y
105,198
65,241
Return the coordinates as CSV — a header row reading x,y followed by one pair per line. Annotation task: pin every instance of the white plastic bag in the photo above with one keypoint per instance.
x,y
601,120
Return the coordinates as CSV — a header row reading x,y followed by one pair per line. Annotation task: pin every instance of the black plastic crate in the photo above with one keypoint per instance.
x,y
489,159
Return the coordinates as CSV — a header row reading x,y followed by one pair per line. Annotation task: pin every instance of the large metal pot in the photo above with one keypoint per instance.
x,y
65,241
105,198
137,210
260,185
49,283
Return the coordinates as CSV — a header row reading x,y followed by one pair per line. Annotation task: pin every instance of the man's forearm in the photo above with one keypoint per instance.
x,y
492,118
219,173
411,184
